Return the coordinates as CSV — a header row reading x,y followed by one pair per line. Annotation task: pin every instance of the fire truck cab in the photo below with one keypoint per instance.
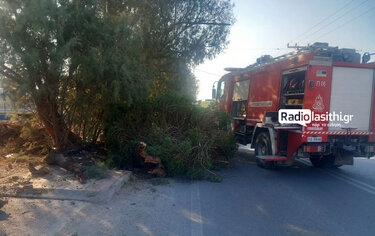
x,y
332,85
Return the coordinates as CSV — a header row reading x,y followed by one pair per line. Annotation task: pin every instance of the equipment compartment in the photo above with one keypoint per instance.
x,y
293,89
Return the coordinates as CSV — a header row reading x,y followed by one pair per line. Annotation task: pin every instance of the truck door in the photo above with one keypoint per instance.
x,y
239,105
220,97
351,94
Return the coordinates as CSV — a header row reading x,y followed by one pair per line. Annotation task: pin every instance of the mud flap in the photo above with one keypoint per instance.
x,y
343,157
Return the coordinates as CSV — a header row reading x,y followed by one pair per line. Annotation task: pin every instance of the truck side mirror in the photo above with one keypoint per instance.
x,y
213,93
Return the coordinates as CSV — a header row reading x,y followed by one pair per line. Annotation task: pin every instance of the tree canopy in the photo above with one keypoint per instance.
x,y
71,59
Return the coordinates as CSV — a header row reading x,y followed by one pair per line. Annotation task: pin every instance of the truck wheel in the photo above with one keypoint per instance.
x,y
324,162
316,161
330,162
263,148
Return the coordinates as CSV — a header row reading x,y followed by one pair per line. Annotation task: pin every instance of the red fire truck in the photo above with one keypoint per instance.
x,y
332,83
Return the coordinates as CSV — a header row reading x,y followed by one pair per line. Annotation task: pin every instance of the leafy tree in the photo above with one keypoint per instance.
x,y
72,58
34,52
69,60
178,35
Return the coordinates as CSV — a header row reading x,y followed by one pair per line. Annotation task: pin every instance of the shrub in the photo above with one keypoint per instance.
x,y
189,139
97,171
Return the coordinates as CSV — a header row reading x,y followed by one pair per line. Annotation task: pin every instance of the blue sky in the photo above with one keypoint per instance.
x,y
265,27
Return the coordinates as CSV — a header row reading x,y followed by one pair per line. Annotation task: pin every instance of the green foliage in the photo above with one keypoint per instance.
x,y
189,139
177,35
159,181
97,171
18,158
70,60
191,30
206,103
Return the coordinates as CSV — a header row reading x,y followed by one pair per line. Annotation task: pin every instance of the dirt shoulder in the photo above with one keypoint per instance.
x,y
15,176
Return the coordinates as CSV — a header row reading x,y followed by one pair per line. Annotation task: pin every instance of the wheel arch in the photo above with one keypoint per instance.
x,y
259,128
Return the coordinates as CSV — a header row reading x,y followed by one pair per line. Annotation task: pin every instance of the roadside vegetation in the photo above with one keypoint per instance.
x,y
115,73
190,140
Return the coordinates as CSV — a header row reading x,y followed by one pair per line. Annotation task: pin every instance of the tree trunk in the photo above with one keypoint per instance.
x,y
55,125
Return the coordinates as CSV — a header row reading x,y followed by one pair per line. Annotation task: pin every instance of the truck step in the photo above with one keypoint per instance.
x,y
272,158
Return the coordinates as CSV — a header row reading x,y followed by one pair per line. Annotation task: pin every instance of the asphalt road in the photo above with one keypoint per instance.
x,y
299,200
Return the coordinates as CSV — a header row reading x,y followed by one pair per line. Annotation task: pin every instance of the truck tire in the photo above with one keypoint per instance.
x,y
324,162
263,148
316,161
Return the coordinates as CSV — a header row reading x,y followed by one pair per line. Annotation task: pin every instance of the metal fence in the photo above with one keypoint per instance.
x,y
6,108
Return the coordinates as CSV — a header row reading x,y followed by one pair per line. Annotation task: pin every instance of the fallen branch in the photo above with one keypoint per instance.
x,y
158,168
69,164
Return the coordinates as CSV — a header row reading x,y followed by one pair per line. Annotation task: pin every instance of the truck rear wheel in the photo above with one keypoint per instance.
x,y
324,162
316,161
263,148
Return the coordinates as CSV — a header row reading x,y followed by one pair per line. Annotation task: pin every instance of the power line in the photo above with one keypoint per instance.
x,y
338,18
208,73
345,23
250,49
326,18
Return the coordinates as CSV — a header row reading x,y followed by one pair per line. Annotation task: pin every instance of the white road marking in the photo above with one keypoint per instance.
x,y
356,183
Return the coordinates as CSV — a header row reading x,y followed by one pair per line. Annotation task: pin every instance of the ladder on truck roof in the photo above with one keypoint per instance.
x,y
319,49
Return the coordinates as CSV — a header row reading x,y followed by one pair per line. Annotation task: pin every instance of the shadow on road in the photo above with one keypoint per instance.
x,y
3,216
245,160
